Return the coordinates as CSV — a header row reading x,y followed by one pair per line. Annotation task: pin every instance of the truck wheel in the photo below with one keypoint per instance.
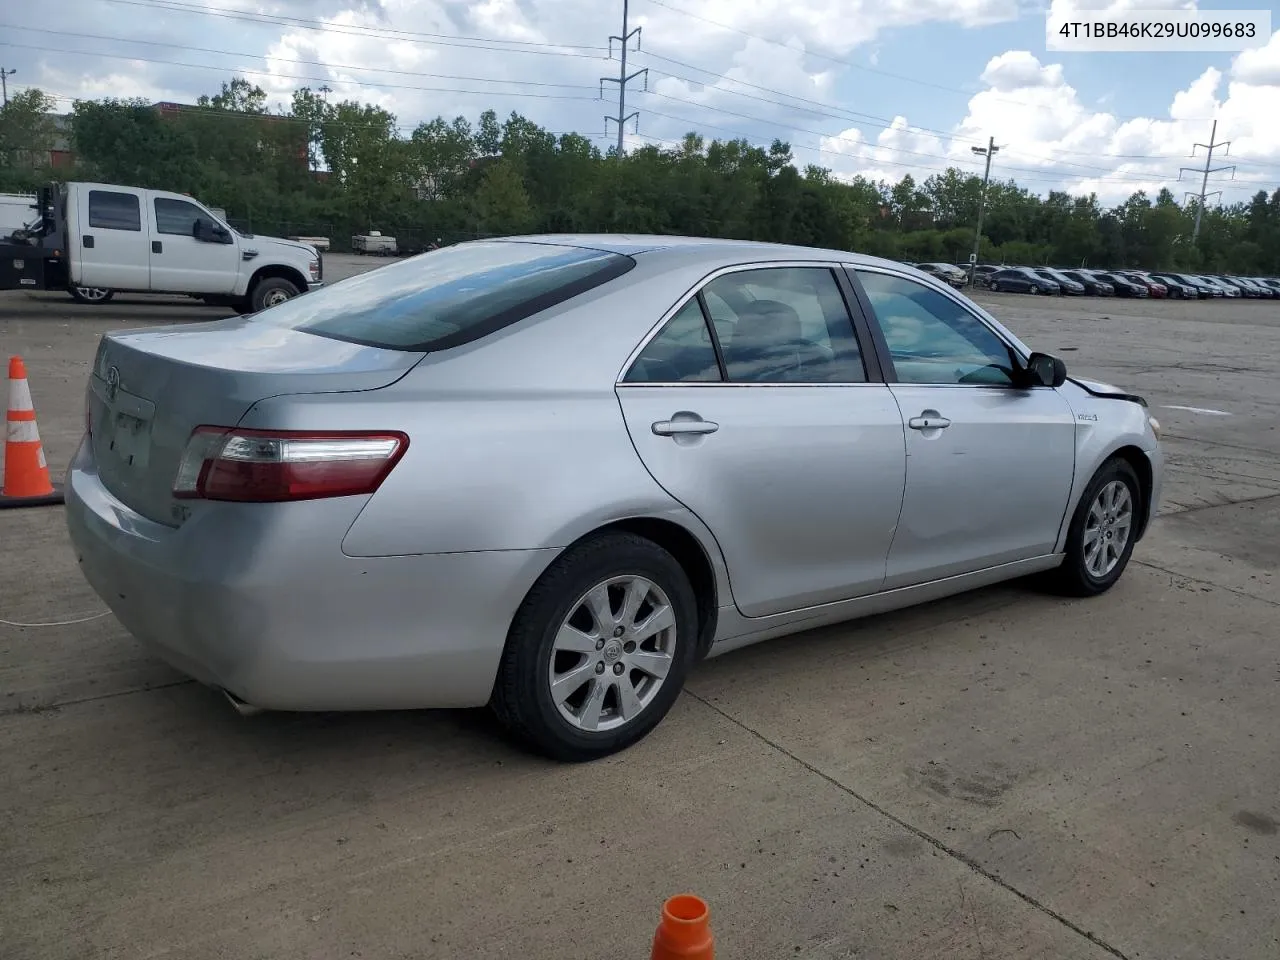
x,y
90,294
271,291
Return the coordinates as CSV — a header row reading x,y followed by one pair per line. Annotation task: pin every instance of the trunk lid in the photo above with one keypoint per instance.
x,y
150,388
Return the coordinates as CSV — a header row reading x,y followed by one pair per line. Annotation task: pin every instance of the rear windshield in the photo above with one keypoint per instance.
x,y
449,296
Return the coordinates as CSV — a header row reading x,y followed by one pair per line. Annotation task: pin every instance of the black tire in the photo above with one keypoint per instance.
x,y
269,291
1073,578
994,286
522,695
94,296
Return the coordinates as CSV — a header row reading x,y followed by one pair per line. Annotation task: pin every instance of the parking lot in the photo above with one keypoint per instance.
x,y
1001,775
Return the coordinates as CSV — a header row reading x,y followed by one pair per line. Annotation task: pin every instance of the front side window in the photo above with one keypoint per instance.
x,y
933,339
450,296
109,210
177,217
784,325
682,352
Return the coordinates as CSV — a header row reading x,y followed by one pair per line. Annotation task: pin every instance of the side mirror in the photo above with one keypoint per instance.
x,y
207,231
1045,370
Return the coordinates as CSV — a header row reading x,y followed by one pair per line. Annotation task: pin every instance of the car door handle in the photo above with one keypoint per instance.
x,y
87,241
934,422
157,246
674,428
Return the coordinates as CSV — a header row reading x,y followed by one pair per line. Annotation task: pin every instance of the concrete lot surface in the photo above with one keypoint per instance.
x,y
1002,775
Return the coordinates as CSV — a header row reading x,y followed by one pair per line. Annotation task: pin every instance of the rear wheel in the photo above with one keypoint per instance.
x,y
90,294
271,291
1103,531
599,650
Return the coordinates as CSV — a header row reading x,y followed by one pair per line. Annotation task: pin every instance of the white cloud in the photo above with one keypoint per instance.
x,y
1018,70
1260,67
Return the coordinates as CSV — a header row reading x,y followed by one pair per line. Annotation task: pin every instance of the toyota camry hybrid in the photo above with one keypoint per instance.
x,y
550,474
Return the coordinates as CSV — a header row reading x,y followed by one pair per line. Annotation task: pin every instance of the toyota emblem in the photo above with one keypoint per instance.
x,y
113,382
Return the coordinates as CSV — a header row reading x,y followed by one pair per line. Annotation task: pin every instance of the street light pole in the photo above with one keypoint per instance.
x,y
989,151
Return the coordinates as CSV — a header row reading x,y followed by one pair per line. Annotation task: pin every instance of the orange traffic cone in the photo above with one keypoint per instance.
x,y
684,933
26,473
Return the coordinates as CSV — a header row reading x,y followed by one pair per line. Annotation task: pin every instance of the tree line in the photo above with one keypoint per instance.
x,y
338,168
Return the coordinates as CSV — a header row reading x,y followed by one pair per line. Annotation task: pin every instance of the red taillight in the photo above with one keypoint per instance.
x,y
269,466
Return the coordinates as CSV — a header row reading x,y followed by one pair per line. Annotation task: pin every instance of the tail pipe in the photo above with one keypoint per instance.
x,y
240,707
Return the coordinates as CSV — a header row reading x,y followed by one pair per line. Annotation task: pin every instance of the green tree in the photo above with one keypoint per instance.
x,y
501,204
27,135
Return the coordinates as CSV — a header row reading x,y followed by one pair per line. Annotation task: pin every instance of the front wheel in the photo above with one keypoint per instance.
x,y
271,291
599,650
90,294
1103,531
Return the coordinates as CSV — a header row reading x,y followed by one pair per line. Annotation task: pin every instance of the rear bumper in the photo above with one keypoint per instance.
x,y
263,603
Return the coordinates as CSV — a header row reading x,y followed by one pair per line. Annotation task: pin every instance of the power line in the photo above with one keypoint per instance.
x,y
306,63
324,26
847,63
869,119
289,76
862,119
1204,182
623,78
953,161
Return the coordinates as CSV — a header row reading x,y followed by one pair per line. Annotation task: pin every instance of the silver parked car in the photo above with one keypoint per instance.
x,y
551,473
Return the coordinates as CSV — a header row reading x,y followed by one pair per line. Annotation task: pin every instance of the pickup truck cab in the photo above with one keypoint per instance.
x,y
150,241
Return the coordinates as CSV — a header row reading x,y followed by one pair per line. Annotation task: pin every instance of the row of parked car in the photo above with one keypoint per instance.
x,y
1105,283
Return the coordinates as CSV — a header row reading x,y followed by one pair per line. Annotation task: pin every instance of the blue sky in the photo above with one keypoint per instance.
x,y
872,87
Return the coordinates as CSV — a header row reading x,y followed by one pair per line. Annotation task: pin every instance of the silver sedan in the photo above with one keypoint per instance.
x,y
551,473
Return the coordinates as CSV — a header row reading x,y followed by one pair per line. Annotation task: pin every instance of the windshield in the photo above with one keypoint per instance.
x,y
449,296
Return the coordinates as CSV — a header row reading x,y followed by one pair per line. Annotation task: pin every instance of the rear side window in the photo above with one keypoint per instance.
x,y
450,296
682,352
109,210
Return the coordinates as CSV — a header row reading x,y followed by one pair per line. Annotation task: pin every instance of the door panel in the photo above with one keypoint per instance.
x,y
989,461
769,431
179,262
801,484
989,487
113,240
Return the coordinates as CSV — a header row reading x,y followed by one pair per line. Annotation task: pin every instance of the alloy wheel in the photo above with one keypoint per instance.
x,y
612,653
1107,528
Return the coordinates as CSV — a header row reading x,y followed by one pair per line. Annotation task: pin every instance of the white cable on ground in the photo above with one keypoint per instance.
x,y
57,623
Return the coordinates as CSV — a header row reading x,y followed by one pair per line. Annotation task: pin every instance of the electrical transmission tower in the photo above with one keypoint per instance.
x,y
1212,145
623,78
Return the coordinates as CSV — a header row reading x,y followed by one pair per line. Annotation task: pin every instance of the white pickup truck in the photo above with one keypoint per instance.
x,y
95,239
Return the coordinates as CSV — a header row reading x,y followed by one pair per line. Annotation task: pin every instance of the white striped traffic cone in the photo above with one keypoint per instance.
x,y
26,472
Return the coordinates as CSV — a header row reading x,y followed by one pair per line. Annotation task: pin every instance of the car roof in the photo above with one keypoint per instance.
x,y
706,249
